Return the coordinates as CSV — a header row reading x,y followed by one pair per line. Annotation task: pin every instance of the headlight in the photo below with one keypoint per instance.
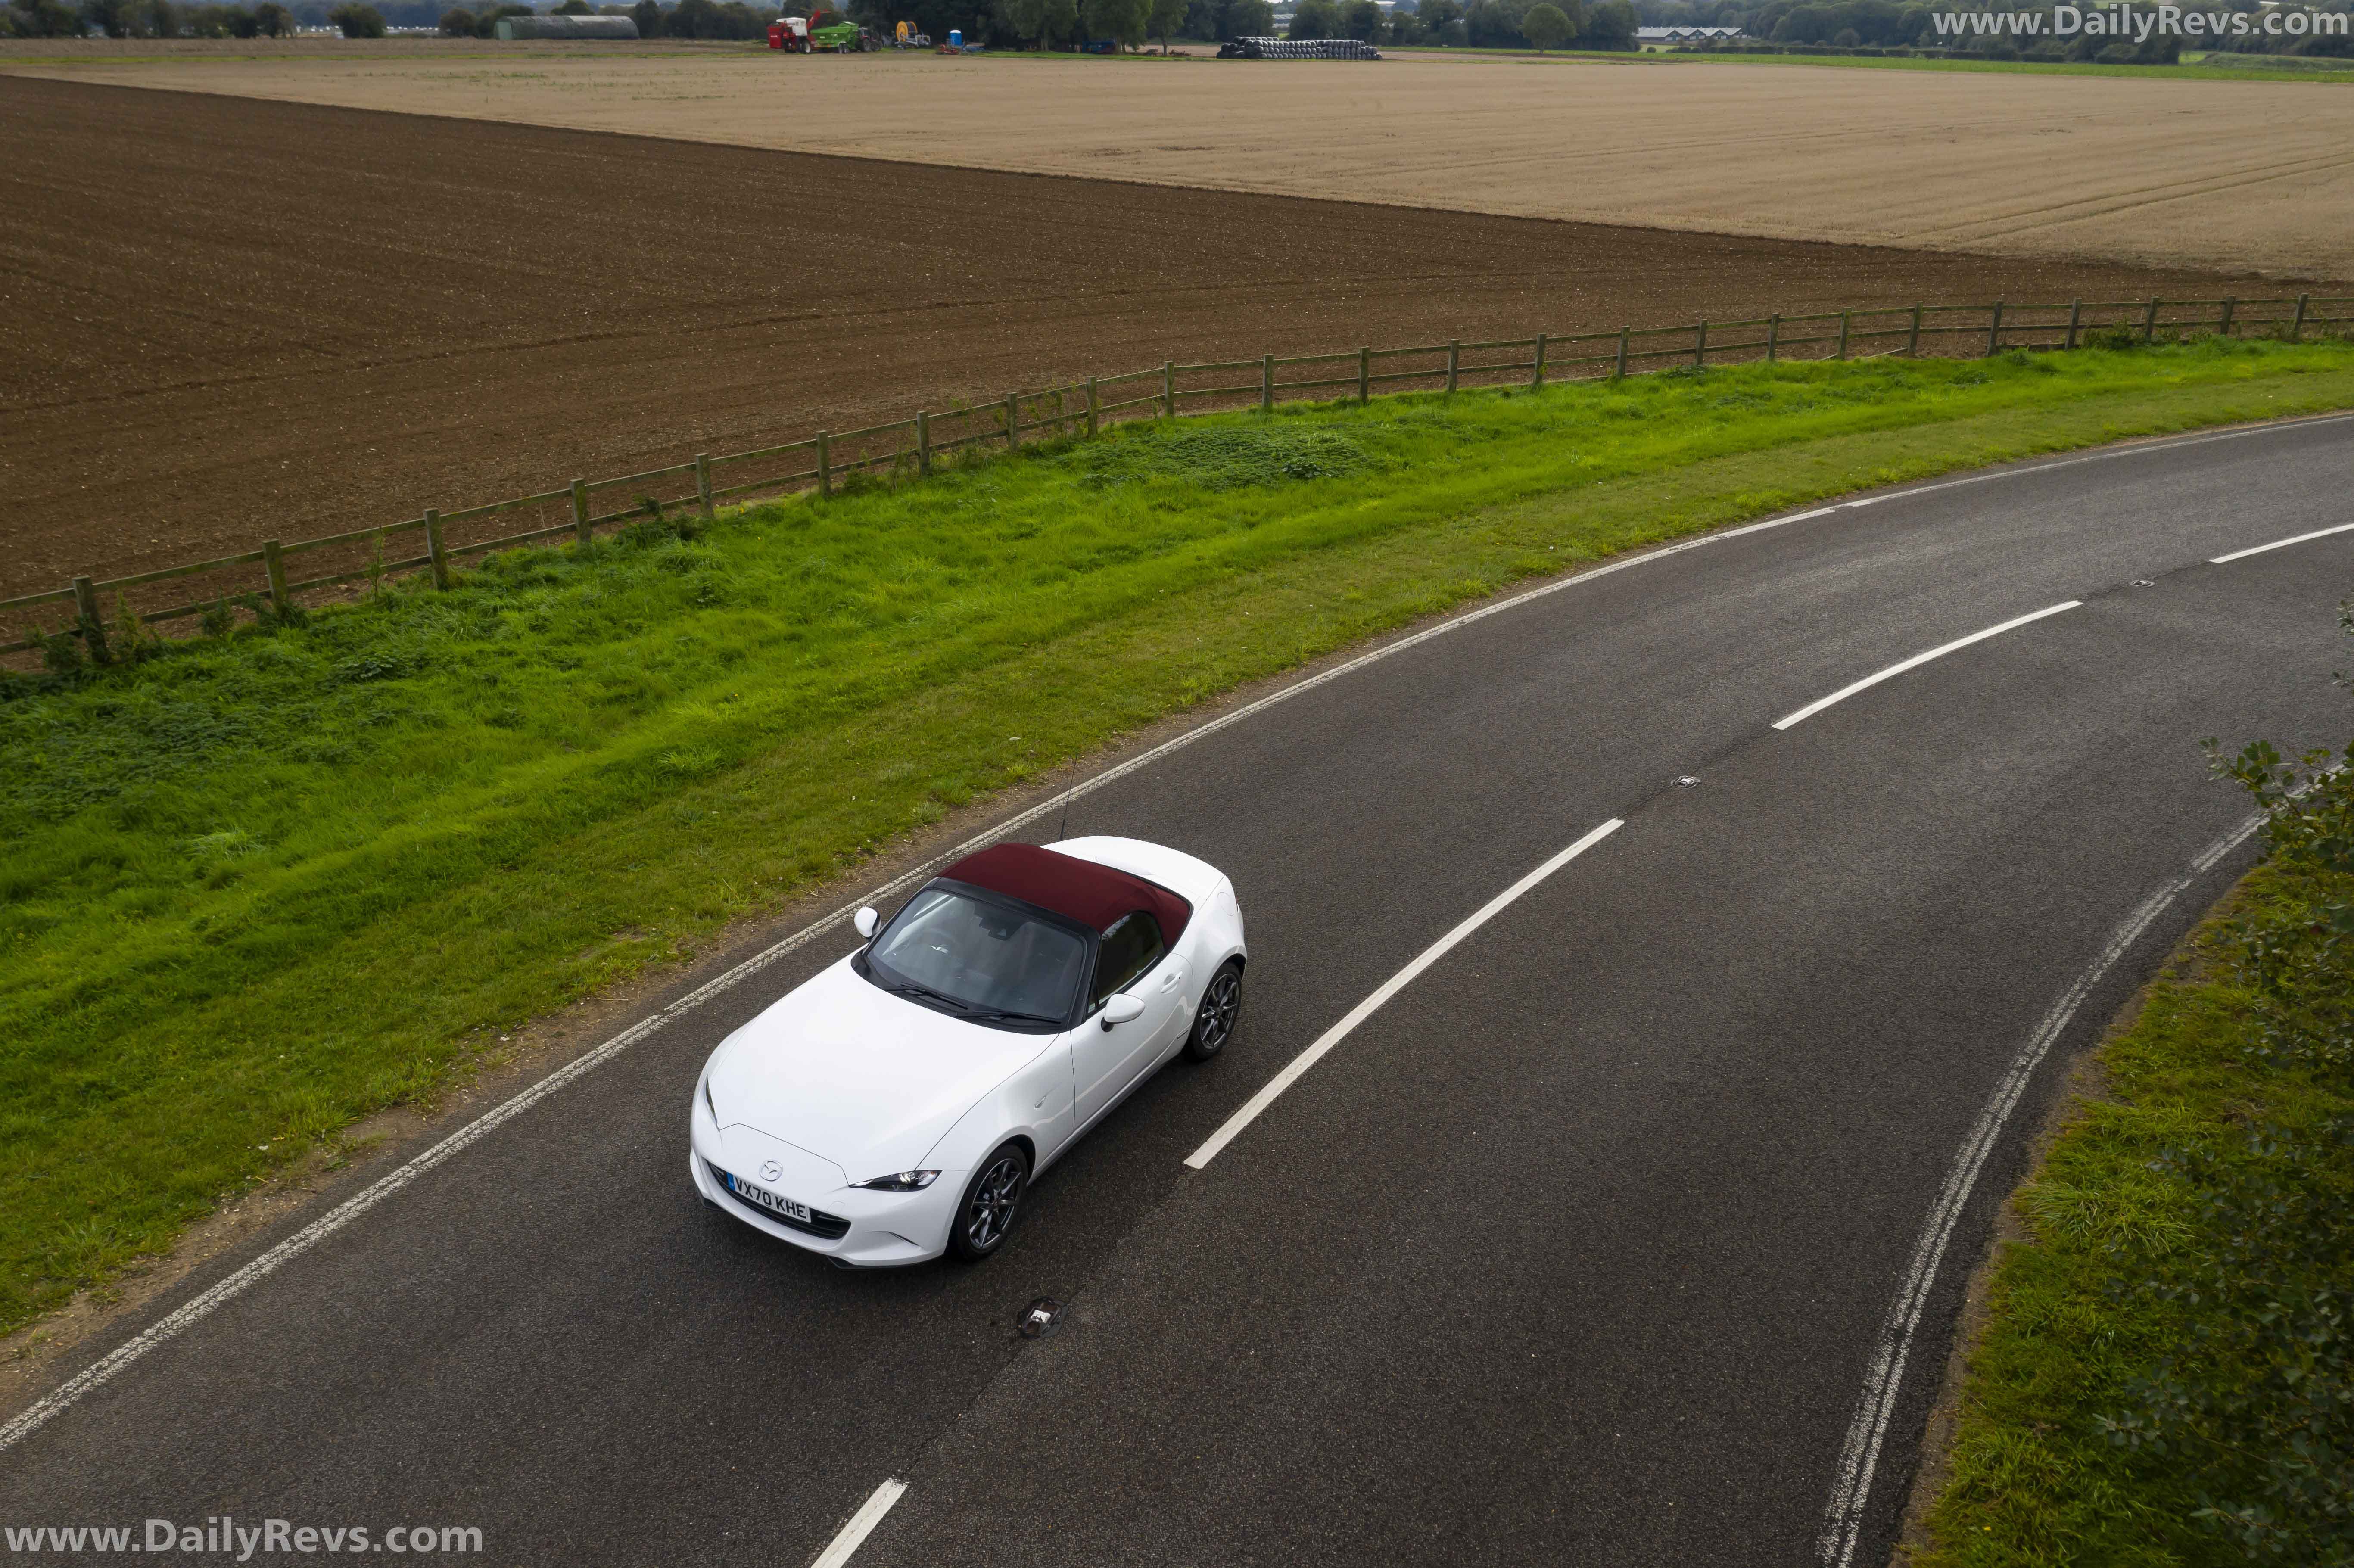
x,y
712,1104
904,1181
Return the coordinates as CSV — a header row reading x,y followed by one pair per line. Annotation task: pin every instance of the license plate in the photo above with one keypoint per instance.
x,y
767,1199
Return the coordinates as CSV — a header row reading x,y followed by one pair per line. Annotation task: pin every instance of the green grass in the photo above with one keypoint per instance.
x,y
2257,70
258,887
2149,1266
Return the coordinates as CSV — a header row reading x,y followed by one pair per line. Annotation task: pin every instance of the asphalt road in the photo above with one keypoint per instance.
x,y
1580,1249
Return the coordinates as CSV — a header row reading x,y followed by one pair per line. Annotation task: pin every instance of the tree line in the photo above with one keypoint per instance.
x,y
1482,23
144,19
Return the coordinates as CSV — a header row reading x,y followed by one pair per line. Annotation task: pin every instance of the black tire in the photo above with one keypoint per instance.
x,y
1220,1010
992,1199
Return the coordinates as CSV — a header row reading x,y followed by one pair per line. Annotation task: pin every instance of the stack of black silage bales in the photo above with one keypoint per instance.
x,y
1297,49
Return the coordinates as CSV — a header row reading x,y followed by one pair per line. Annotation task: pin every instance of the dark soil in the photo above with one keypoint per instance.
x,y
223,320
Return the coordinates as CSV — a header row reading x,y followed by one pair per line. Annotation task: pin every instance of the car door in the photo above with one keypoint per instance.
x,y
1104,1061
1040,1095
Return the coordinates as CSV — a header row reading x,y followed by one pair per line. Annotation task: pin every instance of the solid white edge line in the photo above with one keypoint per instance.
x,y
861,1524
1298,1065
2279,545
1860,1458
1819,704
195,1310
105,1369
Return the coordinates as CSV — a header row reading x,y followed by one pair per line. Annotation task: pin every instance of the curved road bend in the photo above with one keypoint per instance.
x,y
1580,1248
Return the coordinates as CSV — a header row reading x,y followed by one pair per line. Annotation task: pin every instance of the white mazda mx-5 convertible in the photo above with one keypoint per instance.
x,y
898,1105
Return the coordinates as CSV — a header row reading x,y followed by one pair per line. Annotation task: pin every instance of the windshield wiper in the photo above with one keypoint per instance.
x,y
966,1009
910,987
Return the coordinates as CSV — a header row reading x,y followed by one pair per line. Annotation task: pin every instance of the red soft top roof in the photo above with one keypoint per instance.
x,y
1084,890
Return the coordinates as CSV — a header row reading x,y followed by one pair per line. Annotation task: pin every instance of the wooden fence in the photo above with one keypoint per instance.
x,y
437,540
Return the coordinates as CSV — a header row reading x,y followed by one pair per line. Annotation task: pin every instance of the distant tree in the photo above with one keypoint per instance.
x,y
1202,19
159,19
1436,17
457,23
1495,24
574,8
1121,21
1611,26
356,21
1361,20
1039,22
1547,26
1246,19
43,19
1314,19
272,20
111,17
1164,19
647,14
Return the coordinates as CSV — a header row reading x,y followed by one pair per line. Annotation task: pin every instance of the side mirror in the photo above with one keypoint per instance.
x,y
864,921
1123,1008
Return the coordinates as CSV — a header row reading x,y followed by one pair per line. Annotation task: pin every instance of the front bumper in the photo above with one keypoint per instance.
x,y
881,1230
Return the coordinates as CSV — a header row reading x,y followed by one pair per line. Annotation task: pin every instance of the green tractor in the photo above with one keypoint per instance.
x,y
821,32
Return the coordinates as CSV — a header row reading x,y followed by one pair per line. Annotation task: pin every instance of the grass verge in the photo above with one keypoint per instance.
x,y
260,886
2167,1372
2258,68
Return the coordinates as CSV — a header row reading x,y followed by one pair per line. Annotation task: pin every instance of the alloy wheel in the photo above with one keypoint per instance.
x,y
991,1211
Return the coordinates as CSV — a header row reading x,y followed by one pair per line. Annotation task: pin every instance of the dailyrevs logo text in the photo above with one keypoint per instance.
x,y
222,1535
2137,23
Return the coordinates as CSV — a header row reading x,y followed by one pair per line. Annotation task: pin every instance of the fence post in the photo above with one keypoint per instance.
x,y
825,464
1622,352
1699,346
1093,406
1168,388
580,512
1913,346
1846,319
2296,327
1365,375
273,565
433,550
1267,383
1994,330
1454,361
1012,420
923,442
93,630
1773,335
2075,315
2223,327
2149,322
703,484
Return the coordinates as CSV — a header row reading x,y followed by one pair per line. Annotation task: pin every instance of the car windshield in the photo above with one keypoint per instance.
x,y
979,957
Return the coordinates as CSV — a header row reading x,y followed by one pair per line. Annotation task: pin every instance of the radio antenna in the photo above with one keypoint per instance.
x,y
1063,831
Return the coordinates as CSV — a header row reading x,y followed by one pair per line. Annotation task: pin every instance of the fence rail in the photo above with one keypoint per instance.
x,y
1079,409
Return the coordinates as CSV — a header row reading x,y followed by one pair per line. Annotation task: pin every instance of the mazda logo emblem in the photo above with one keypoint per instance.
x,y
770,1170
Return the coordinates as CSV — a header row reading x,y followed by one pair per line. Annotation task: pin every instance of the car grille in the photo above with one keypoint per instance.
x,y
825,1226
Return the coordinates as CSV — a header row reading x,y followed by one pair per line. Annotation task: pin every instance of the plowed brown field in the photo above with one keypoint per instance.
x,y
225,319
2155,171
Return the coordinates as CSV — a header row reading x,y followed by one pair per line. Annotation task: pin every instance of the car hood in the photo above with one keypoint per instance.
x,y
843,1069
